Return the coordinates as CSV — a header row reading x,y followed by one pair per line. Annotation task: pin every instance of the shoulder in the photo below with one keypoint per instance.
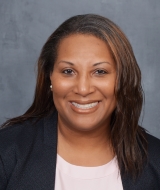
x,y
17,138
153,146
153,166
20,136
17,135
150,176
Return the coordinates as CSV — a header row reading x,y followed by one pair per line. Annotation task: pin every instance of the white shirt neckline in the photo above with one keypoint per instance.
x,y
86,172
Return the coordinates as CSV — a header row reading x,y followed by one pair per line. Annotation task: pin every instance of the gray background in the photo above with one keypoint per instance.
x,y
25,25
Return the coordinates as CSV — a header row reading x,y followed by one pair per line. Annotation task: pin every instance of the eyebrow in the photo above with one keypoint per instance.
x,y
95,64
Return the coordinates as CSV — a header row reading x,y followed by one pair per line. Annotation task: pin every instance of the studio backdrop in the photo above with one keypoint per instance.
x,y
25,25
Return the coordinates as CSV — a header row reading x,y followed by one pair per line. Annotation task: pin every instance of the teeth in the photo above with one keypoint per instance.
x,y
84,106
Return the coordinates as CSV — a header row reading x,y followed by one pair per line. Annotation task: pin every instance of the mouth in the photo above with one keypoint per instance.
x,y
84,107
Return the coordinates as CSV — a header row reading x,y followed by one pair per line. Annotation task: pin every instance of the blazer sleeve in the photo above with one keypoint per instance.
x,y
3,177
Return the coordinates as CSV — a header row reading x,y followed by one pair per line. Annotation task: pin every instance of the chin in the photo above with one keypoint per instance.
x,y
84,128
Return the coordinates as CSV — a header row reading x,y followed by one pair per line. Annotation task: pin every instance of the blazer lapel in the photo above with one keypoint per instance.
x,y
127,182
50,149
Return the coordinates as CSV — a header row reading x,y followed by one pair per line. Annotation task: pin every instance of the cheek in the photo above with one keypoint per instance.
x,y
107,88
60,87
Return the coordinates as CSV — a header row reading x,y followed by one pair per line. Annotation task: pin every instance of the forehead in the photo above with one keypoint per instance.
x,y
83,46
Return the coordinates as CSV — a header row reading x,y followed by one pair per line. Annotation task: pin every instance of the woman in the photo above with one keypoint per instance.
x,y
82,132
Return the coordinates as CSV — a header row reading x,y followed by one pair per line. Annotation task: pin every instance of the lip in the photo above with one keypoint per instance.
x,y
84,111
84,102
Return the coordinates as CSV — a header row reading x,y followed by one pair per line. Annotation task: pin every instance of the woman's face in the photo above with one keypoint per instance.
x,y
83,82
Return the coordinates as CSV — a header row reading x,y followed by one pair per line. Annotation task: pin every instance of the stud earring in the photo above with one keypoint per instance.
x,y
50,86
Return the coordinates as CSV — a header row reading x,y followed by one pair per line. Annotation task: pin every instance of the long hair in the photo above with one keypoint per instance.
x,y
127,137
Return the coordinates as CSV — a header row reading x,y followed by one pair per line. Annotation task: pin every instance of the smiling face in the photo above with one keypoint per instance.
x,y
83,82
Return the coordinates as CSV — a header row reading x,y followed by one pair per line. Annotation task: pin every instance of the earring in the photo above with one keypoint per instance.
x,y
50,86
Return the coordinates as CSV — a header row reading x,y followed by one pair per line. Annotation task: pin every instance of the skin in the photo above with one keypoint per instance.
x,y
84,72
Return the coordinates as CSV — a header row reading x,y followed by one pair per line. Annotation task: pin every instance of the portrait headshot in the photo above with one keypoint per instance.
x,y
79,85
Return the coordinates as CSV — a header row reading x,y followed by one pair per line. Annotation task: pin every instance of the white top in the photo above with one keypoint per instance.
x,y
72,177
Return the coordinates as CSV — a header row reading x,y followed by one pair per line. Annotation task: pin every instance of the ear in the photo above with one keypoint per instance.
x,y
51,87
50,80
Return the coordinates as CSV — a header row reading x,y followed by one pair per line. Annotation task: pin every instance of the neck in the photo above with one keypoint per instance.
x,y
80,147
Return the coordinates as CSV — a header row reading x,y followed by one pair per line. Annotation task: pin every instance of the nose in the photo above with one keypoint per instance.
x,y
83,86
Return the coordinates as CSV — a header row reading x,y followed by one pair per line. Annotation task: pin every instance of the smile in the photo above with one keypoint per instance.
x,y
84,106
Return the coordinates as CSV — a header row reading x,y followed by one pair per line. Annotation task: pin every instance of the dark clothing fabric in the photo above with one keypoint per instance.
x,y
28,158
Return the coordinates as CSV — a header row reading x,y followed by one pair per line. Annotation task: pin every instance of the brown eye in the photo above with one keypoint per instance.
x,y
100,72
68,71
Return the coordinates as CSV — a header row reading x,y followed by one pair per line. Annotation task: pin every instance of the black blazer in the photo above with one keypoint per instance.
x,y
28,158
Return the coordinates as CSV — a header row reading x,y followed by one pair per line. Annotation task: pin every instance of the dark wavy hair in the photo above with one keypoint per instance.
x,y
127,137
